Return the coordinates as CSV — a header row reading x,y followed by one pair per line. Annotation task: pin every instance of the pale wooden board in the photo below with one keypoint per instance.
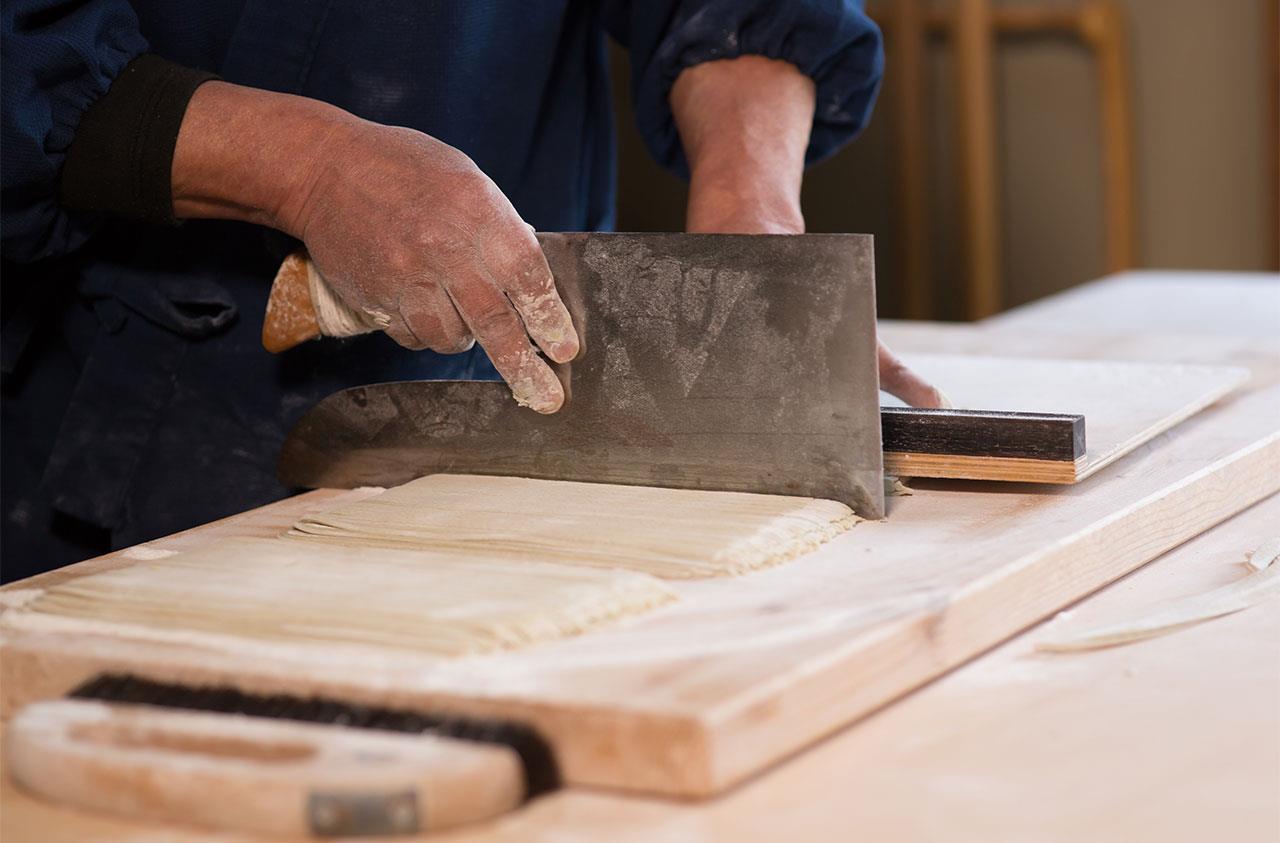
x,y
693,698
1124,404
1049,748
869,780
1172,740
1241,304
1151,316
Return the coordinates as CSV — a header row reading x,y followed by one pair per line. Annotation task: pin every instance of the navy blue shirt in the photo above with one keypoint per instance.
x,y
137,399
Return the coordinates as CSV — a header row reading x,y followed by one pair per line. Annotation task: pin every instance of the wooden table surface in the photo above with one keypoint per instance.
x,y
1177,738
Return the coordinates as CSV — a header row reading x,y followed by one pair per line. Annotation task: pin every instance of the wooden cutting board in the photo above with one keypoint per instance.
x,y
742,672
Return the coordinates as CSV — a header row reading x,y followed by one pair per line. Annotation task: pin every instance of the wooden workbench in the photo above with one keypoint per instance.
x,y
1174,738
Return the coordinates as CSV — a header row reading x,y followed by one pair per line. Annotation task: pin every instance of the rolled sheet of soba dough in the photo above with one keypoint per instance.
x,y
670,533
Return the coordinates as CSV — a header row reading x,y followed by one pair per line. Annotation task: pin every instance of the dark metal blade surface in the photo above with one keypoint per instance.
x,y
724,362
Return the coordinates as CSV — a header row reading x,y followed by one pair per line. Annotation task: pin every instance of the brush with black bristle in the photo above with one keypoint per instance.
x,y
275,764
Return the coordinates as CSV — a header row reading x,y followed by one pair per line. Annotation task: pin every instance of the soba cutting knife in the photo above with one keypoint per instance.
x,y
709,361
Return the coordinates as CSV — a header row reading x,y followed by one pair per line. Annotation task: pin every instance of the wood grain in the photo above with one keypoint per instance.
x,y
983,444
252,773
1002,469
748,670
1123,404
1019,745
1146,307
1009,745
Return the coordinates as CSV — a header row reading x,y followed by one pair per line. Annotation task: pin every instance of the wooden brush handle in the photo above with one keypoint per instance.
x,y
253,774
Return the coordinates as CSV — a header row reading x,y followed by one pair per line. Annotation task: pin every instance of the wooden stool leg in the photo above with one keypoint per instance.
x,y
1102,27
1100,24
910,124
979,177
1271,50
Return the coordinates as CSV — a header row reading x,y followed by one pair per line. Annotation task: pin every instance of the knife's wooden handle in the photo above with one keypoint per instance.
x,y
254,774
302,306
291,314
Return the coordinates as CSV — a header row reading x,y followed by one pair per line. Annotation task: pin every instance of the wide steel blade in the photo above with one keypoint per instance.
x,y
726,362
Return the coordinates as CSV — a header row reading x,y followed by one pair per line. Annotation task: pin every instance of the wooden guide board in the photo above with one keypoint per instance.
x,y
693,698
1124,405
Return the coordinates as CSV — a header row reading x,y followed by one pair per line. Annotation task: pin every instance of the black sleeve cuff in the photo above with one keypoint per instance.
x,y
121,159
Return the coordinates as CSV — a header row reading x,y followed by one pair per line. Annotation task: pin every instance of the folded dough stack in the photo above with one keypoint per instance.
x,y
289,592
670,533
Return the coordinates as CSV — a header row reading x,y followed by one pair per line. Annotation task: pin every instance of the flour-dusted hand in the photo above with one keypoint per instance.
x,y
408,230
896,379
403,227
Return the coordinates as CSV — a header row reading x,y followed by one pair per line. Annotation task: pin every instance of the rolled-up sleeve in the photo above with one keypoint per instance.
x,y
59,58
831,41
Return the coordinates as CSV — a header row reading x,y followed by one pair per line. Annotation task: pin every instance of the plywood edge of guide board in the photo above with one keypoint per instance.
x,y
956,467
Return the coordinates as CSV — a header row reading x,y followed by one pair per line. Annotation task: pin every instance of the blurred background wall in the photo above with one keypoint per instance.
x,y
1204,120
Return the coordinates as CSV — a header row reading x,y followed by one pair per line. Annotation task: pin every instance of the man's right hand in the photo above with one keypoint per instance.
x,y
402,226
